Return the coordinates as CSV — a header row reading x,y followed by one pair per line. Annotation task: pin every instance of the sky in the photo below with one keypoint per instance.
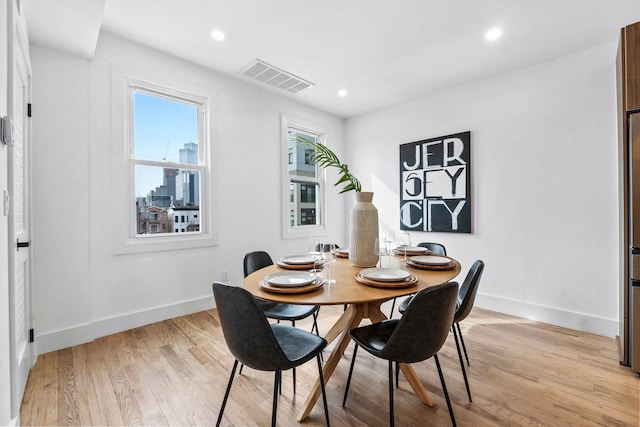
x,y
161,128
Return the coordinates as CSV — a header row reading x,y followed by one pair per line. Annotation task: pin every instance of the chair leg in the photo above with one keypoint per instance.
x,y
393,305
391,417
294,381
324,395
240,371
397,373
444,389
464,371
293,323
463,346
315,324
226,393
276,386
353,361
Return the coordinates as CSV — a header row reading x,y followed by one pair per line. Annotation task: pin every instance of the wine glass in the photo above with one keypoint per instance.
x,y
314,251
405,243
389,238
329,256
380,249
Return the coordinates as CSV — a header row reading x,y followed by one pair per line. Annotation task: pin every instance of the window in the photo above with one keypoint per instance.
x,y
307,216
167,154
303,182
307,157
307,193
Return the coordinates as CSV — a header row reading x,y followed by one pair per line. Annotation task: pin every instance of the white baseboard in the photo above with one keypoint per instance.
x,y
554,316
81,334
88,332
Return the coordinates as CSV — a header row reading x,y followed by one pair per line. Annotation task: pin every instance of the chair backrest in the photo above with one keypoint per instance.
x,y
320,247
468,291
434,248
254,261
246,329
424,327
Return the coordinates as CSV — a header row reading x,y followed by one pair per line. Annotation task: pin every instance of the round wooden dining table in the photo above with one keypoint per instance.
x,y
363,302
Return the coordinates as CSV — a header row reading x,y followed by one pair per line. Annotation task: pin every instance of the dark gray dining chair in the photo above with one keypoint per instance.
x,y
416,336
434,249
260,345
464,305
254,261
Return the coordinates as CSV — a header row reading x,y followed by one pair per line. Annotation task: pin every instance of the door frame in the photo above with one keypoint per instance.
x,y
19,53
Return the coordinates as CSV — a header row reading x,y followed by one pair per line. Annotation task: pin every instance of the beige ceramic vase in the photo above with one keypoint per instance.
x,y
364,231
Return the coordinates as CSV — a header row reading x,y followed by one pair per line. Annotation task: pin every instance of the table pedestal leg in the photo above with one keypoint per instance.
x,y
350,319
378,316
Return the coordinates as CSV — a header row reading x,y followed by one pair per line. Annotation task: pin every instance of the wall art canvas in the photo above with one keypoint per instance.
x,y
435,184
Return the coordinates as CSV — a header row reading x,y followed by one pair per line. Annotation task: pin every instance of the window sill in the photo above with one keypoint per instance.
x,y
157,244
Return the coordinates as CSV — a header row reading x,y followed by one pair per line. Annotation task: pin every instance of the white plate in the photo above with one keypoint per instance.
x,y
342,251
290,279
385,274
297,259
430,260
411,249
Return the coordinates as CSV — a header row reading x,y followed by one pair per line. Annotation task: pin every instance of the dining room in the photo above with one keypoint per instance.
x,y
542,208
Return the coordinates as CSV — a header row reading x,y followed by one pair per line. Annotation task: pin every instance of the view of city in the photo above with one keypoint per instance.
x,y
167,198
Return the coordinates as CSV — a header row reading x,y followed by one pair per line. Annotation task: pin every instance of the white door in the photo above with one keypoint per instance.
x,y
19,268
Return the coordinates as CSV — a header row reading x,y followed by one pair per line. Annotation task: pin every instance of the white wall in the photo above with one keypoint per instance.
x,y
82,289
544,177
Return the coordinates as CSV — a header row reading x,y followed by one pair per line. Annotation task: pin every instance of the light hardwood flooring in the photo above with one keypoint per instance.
x,y
522,373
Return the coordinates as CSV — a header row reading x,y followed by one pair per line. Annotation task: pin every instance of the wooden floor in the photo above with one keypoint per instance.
x,y
175,372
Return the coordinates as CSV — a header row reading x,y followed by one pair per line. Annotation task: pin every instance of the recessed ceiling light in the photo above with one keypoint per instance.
x,y
218,35
342,92
493,34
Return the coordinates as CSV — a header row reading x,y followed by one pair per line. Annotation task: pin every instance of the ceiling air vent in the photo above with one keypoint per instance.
x,y
274,76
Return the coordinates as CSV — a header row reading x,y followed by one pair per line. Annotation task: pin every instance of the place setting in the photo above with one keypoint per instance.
x,y
410,250
289,282
300,262
386,277
431,262
342,252
405,249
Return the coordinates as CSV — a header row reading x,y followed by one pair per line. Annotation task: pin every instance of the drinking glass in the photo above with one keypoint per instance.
x,y
329,255
314,251
405,242
380,249
389,238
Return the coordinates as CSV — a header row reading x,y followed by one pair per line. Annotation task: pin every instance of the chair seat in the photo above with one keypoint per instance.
x,y
374,337
298,346
280,311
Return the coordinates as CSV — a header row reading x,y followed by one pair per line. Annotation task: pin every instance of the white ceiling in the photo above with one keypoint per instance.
x,y
381,51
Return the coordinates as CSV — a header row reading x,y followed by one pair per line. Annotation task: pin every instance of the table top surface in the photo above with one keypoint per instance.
x,y
347,290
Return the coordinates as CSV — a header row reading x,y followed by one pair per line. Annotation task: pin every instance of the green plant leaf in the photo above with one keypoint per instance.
x,y
325,158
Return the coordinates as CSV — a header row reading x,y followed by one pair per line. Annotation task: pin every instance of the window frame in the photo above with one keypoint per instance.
x,y
301,231
125,209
